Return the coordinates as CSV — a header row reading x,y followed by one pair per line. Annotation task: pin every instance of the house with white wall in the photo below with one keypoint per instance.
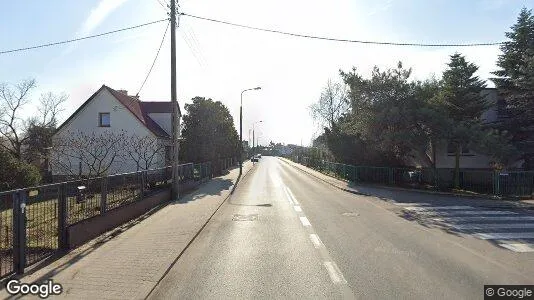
x,y
113,132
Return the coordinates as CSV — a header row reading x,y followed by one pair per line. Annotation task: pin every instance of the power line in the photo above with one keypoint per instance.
x,y
155,58
165,7
81,38
343,40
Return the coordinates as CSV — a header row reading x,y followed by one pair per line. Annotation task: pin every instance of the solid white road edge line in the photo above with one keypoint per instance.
x,y
297,208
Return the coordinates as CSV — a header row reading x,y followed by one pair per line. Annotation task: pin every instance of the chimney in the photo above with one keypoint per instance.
x,y
125,92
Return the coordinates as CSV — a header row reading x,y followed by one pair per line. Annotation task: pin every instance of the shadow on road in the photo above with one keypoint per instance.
x,y
214,186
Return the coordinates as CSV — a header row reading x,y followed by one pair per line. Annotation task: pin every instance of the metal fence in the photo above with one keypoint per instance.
x,y
517,183
223,164
34,220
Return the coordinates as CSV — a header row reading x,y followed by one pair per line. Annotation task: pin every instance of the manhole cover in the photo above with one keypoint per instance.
x,y
251,217
350,214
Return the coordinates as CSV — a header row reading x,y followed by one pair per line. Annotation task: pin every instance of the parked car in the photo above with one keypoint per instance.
x,y
254,159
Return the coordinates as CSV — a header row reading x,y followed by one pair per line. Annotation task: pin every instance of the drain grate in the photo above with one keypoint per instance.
x,y
250,217
350,214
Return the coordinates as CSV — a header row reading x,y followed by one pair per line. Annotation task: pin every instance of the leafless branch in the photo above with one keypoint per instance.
x,y
50,105
12,99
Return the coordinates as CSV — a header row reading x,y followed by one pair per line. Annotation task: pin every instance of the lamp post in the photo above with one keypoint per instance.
x,y
253,135
241,130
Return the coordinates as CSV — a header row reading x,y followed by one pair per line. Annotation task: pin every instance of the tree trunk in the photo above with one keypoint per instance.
x,y
457,167
434,163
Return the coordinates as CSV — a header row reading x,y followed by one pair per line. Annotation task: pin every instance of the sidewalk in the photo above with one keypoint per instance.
x,y
368,190
128,262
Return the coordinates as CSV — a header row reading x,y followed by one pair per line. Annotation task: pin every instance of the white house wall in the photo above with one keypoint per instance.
x,y
476,161
121,120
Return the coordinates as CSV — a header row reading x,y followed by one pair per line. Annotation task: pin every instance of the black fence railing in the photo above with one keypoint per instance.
x,y
34,220
512,184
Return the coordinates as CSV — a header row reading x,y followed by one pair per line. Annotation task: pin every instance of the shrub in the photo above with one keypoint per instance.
x,y
16,174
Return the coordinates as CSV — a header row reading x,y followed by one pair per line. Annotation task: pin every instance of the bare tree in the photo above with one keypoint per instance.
x,y
50,105
12,127
146,152
331,105
90,155
15,129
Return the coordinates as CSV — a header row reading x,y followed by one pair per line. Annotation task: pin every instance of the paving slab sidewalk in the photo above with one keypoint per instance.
x,y
128,262
361,189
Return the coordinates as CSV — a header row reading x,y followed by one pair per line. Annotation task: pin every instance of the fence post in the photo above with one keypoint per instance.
x,y
62,218
496,187
19,231
143,184
103,195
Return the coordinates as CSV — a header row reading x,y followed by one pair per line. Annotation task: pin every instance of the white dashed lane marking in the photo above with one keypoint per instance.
x,y
305,221
316,240
334,272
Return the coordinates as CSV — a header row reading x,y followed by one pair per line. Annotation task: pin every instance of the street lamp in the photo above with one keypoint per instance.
x,y
253,135
241,130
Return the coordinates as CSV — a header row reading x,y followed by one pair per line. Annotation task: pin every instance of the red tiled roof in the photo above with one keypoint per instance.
x,y
142,109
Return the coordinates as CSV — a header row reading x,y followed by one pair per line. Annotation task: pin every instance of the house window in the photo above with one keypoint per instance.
x,y
104,120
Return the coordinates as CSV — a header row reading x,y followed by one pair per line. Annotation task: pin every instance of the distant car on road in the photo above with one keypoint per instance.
x,y
254,159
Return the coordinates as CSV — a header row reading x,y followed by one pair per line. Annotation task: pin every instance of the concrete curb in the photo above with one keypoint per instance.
x,y
513,202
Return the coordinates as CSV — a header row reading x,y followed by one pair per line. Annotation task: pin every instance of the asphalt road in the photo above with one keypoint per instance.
x,y
286,234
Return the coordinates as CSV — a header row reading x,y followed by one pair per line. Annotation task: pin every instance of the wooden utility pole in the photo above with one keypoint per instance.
x,y
174,104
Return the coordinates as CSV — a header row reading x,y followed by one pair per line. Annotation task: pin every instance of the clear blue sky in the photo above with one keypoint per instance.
x,y
218,61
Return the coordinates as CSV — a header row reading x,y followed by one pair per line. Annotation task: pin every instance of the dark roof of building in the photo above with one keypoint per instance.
x,y
156,107
140,109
